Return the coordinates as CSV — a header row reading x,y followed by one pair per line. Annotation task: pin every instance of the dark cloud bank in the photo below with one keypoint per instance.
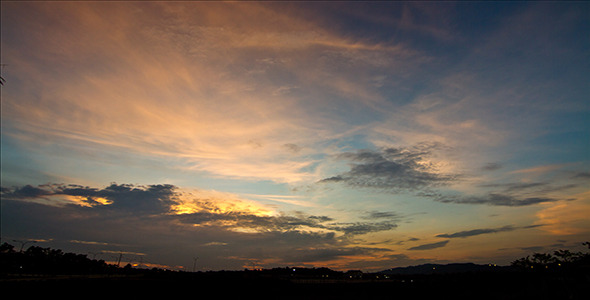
x,y
157,200
142,217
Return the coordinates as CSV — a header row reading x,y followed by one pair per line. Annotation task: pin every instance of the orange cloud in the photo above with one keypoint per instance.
x,y
567,218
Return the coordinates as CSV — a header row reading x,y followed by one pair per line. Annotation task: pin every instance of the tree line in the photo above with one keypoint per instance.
x,y
39,260
559,259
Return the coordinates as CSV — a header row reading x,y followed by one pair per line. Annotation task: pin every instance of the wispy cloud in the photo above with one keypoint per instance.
x,y
566,218
518,193
184,98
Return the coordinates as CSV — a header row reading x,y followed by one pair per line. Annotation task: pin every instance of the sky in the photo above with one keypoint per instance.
x,y
350,135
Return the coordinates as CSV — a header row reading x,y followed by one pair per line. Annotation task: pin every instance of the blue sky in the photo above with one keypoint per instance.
x,y
351,135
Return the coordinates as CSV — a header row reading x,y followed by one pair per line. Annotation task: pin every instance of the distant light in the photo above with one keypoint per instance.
x,y
293,270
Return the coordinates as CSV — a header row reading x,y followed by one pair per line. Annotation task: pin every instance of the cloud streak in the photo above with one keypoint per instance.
x,y
494,199
429,246
474,232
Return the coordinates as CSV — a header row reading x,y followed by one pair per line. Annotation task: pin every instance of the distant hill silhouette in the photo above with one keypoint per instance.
x,y
443,269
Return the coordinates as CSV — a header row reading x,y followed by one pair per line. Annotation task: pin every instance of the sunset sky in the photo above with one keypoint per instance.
x,y
348,135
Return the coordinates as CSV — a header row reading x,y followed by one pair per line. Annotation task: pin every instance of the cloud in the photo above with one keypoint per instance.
x,y
170,90
293,148
381,215
492,167
495,199
253,95
582,175
517,194
534,187
25,192
512,187
248,222
392,169
363,227
142,218
567,218
430,246
206,209
119,197
474,232
540,169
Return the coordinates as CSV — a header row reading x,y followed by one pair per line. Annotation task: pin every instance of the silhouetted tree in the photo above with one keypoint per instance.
x,y
560,258
565,256
48,261
6,248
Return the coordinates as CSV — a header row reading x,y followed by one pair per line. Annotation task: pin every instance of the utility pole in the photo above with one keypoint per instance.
x,y
195,263
119,260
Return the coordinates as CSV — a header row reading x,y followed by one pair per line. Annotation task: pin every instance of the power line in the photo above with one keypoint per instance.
x,y
23,243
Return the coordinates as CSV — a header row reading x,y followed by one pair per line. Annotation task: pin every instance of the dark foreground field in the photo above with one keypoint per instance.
x,y
240,285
